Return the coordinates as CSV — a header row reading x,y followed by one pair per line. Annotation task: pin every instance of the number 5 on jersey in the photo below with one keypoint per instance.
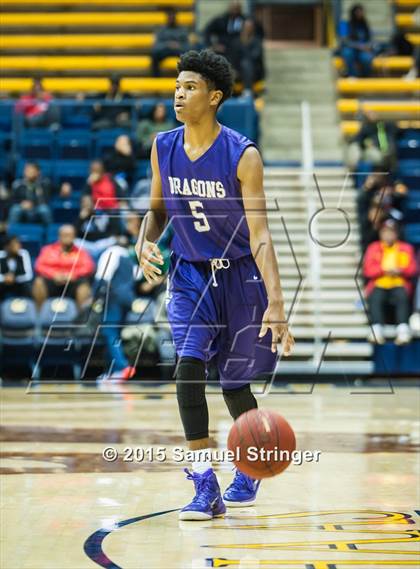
x,y
202,224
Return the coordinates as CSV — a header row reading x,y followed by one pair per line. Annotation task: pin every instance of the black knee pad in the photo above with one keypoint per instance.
x,y
240,400
190,392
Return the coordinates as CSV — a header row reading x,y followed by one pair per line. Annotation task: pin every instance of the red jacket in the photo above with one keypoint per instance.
x,y
104,195
31,106
53,260
372,264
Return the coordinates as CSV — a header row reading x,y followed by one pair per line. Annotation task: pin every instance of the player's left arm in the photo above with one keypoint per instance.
x,y
250,174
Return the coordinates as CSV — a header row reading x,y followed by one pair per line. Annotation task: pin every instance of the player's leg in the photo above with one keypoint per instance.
x,y
239,400
377,302
119,369
243,356
191,314
190,387
42,288
243,489
192,403
399,298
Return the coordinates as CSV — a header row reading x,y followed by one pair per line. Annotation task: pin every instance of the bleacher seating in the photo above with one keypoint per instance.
x,y
406,21
51,233
350,128
58,85
378,85
35,144
409,109
76,54
388,93
19,340
31,236
64,154
144,4
76,42
75,20
74,45
90,64
65,211
74,144
67,40
73,171
406,4
392,97
390,63
55,319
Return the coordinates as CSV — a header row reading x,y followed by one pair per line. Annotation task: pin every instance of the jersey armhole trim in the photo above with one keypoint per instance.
x,y
240,154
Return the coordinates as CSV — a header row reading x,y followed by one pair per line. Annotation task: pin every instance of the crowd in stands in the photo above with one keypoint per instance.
x,y
105,220
36,107
94,253
86,264
29,197
375,143
240,39
91,253
358,47
390,266
16,272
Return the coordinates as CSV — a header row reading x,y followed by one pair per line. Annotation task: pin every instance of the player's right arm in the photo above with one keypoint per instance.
x,y
153,224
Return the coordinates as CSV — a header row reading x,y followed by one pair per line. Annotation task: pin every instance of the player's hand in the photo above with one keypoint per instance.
x,y
148,254
274,319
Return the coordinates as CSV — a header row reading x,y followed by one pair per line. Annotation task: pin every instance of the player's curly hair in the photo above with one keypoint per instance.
x,y
215,69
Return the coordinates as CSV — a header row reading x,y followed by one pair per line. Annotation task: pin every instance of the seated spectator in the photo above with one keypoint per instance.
x,y
4,202
196,41
92,226
379,199
223,29
101,187
389,264
171,40
113,113
357,47
375,142
391,200
30,197
115,280
246,55
148,128
66,190
36,107
15,269
121,162
140,196
132,227
400,44
63,269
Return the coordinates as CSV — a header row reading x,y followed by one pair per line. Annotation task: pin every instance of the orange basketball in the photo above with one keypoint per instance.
x,y
262,442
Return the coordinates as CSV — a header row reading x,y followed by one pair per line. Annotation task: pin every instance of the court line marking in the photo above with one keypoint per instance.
x,y
93,544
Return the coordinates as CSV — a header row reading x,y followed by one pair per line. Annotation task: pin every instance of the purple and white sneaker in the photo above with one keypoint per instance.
x,y
207,502
242,492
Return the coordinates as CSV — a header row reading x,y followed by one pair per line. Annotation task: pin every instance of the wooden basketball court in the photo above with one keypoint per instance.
x,y
65,507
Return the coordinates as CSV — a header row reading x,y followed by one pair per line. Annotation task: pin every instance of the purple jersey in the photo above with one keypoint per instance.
x,y
203,198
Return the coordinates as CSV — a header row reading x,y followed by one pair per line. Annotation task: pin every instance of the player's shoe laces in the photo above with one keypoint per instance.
x,y
207,502
242,492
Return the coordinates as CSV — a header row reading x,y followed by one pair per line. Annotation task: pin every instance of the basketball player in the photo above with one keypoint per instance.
x,y
224,292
